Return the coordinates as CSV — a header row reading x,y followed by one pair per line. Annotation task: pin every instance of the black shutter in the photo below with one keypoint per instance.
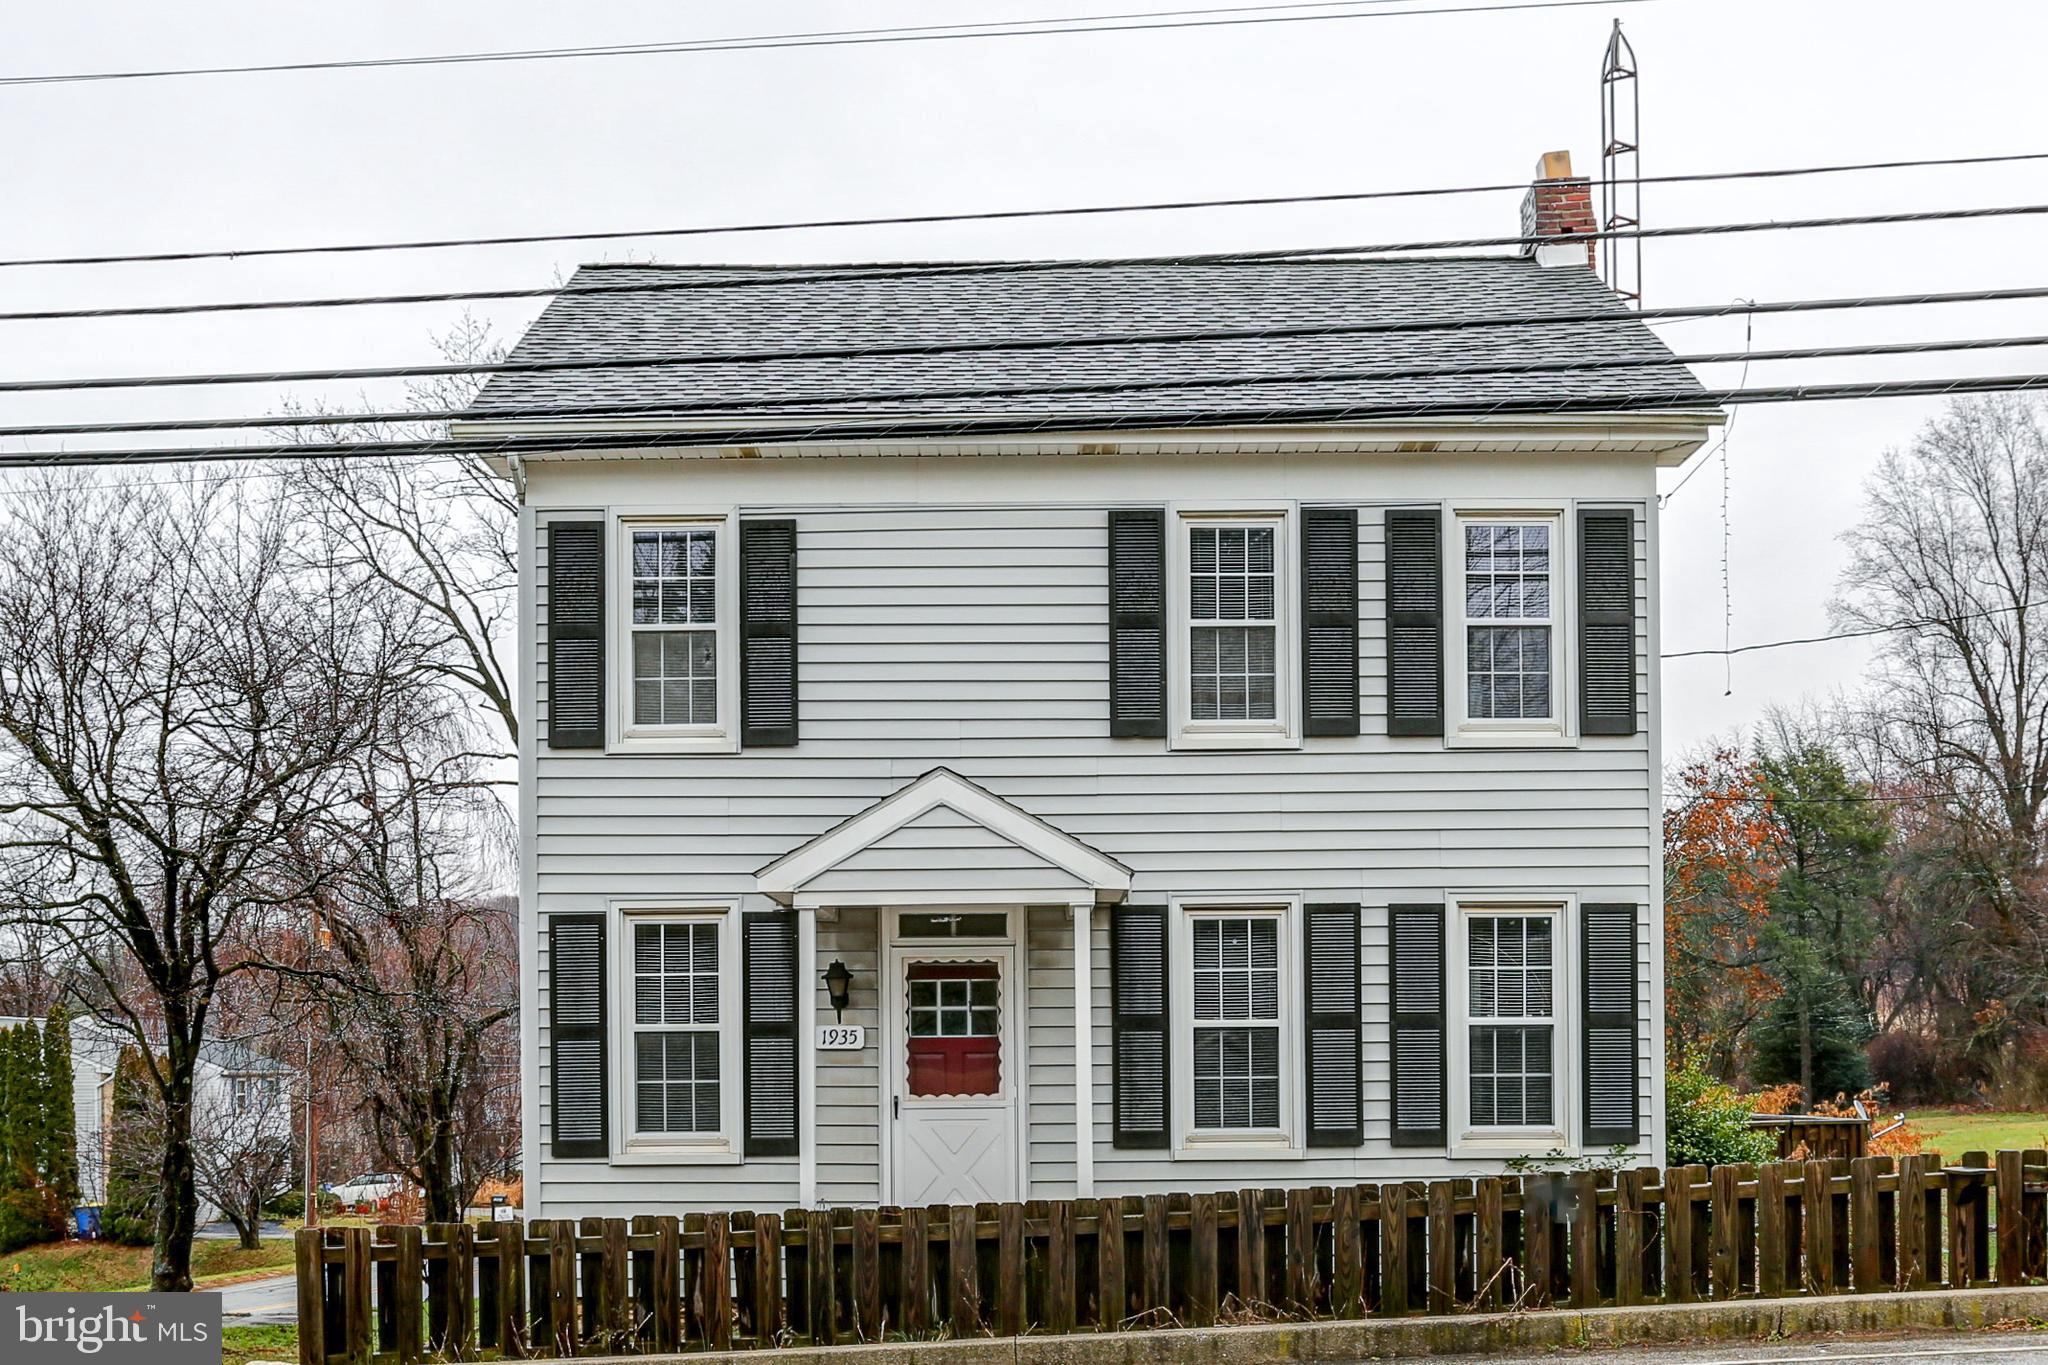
x,y
767,633
1415,622
1420,1067
1137,622
1329,620
576,1061
1332,1060
768,950
1137,1026
576,635
1607,947
1607,622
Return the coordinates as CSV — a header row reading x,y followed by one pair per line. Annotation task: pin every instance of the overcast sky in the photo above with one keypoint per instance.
x,y
1386,102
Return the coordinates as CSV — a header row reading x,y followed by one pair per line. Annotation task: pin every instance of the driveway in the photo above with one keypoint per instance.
x,y
258,1302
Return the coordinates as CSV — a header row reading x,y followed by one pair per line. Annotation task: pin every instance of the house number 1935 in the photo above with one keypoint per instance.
x,y
841,1037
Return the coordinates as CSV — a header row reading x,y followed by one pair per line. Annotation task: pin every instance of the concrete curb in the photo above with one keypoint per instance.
x,y
1468,1334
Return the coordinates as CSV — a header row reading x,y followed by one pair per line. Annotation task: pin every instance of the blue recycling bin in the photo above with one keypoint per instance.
x,y
86,1218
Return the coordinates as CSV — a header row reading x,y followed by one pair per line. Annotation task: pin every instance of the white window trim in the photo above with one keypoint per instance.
x,y
1461,730
626,736
1287,1144
723,1147
1284,731
1494,1143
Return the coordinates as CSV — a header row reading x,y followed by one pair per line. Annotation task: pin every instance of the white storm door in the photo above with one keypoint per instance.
x,y
954,1064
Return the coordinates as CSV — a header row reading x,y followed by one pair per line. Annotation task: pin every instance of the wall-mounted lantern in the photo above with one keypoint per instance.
x,y
838,987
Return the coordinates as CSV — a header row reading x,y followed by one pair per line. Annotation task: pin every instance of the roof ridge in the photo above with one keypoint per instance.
x,y
1078,262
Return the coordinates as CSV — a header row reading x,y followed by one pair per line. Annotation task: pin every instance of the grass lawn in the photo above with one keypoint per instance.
x,y
101,1266
1952,1132
240,1345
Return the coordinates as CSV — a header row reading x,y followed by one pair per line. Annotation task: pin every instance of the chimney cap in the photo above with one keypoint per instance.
x,y
1554,166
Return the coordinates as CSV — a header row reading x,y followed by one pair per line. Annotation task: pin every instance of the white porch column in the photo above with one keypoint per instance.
x,y
1084,1051
807,1056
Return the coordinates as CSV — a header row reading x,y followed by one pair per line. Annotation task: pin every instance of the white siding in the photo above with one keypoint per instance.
x,y
946,620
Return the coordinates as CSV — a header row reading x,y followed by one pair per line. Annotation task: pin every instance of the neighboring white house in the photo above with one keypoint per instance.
x,y
1282,633
233,1088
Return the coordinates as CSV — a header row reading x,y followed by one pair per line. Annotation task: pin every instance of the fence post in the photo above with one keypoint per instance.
x,y
716,1269
1979,1210
819,1297
1678,1239
1915,1228
2035,1206
461,1256
355,1294
1059,1263
1727,1228
1488,1259
963,1261
562,1333
1154,1254
1584,1239
1010,1270
1817,1208
1251,1247
767,1286
407,1277
1302,1287
1771,1261
1393,1249
1347,1255
2012,1217
1628,1236
1112,1298
1866,1258
307,1244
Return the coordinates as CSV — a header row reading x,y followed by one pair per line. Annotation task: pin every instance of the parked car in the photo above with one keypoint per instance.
x,y
359,1190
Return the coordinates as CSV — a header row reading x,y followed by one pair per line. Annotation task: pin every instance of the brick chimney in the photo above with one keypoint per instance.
x,y
1556,204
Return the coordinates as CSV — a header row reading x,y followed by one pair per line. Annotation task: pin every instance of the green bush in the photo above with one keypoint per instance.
x,y
292,1204
1706,1123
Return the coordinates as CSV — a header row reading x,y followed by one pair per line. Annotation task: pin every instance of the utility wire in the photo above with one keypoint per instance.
x,y
872,434
754,277
991,215
730,405
1606,315
1929,623
1101,23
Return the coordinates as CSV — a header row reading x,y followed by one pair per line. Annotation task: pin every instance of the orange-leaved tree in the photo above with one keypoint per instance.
x,y
1720,866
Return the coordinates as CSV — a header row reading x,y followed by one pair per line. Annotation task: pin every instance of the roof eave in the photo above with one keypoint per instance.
x,y
1671,435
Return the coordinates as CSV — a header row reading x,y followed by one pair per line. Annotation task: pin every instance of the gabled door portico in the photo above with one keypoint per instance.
x,y
952,1048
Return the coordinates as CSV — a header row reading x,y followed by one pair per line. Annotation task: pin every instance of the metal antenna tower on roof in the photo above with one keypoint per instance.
x,y
1621,190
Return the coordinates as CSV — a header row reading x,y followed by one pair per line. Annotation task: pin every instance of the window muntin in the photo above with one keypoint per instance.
x,y
1511,990
674,626
1509,589
1236,970
676,1033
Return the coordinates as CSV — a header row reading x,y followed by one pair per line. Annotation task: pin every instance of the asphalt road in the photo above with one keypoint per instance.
x,y
274,1300
1953,1348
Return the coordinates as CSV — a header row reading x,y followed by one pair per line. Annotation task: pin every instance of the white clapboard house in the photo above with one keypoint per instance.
x,y
1033,730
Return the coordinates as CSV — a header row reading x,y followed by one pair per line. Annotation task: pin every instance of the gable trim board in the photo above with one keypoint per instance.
x,y
802,876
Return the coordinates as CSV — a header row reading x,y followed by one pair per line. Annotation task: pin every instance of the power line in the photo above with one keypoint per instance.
x,y
1008,345
1102,23
897,429
1929,623
753,277
728,405
991,215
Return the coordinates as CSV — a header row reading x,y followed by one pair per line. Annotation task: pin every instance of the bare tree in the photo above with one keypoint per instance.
x,y
414,969
1954,544
242,1143
440,534
177,710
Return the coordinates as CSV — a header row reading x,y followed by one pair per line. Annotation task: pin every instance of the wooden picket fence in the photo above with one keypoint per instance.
x,y
661,1284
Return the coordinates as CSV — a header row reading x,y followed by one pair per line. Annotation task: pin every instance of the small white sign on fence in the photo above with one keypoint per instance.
x,y
841,1037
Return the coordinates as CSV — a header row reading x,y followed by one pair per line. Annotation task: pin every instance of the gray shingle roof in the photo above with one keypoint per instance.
x,y
1084,301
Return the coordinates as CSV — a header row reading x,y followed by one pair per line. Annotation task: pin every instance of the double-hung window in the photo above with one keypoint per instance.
x,y
1512,968
678,665
677,1044
1235,1025
1507,574
1235,684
